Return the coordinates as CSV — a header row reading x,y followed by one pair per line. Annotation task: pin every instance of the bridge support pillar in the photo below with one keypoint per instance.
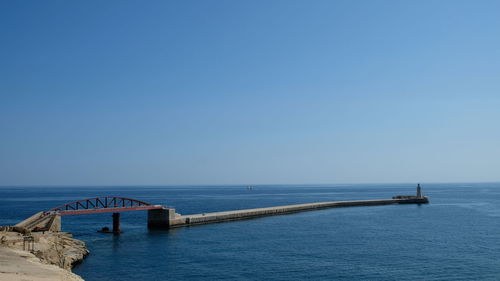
x,y
160,218
116,223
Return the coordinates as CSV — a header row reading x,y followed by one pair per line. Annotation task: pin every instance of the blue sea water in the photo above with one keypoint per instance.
x,y
455,237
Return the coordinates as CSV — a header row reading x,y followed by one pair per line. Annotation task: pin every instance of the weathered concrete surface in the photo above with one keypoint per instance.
x,y
53,256
42,221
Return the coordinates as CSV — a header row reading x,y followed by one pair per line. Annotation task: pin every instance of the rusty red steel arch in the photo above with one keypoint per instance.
x,y
103,205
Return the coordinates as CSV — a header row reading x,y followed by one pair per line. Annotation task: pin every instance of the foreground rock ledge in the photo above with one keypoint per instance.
x,y
52,259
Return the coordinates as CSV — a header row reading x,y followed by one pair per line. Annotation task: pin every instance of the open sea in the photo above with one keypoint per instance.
x,y
455,237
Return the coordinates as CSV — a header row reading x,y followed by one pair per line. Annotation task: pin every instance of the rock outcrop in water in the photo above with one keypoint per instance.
x,y
52,258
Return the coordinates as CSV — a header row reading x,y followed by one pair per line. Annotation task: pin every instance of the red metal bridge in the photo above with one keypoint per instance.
x,y
103,205
100,205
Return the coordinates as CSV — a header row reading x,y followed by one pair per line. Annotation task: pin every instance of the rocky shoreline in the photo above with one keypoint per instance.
x,y
52,258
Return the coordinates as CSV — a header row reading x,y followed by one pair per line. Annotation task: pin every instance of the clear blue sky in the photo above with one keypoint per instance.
x,y
249,92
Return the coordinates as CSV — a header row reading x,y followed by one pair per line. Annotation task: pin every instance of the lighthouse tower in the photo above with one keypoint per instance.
x,y
419,191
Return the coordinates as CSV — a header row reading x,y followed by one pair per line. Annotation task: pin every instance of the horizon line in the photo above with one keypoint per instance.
x,y
241,184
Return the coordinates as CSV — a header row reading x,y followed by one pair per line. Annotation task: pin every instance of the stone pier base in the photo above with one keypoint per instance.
x,y
163,218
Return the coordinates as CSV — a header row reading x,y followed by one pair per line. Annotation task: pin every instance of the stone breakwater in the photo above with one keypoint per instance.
x,y
168,218
52,257
282,210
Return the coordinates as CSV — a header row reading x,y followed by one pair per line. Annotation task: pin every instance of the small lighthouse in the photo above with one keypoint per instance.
x,y
419,191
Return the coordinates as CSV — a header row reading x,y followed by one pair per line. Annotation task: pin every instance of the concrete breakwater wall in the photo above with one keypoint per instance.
x,y
42,221
167,218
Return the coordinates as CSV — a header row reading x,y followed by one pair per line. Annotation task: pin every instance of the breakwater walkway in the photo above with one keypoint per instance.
x,y
167,218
